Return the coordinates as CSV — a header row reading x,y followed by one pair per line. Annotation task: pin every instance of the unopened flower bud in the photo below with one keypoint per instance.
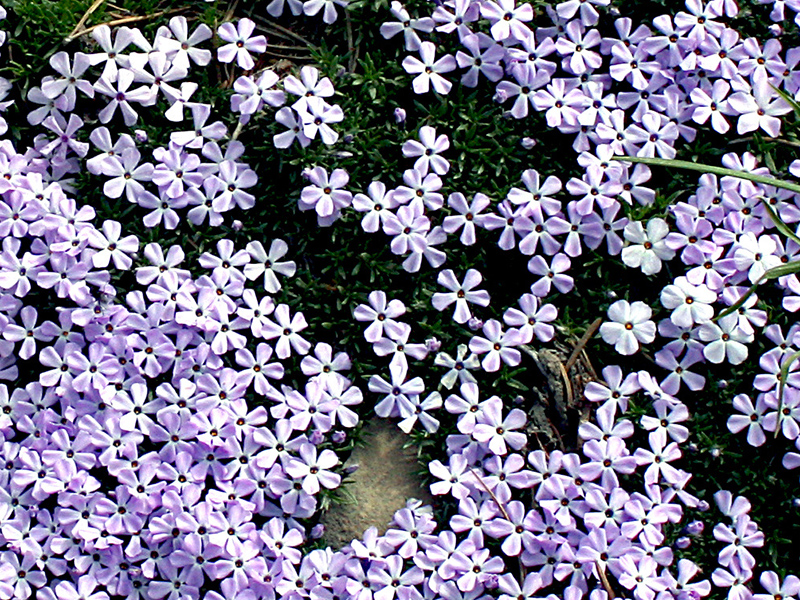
x,y
316,437
500,96
715,452
341,71
527,143
722,384
611,294
474,323
491,582
338,437
399,115
693,448
703,506
519,400
432,344
683,542
140,136
614,12
348,138
796,502
775,30
317,531
237,225
350,469
695,528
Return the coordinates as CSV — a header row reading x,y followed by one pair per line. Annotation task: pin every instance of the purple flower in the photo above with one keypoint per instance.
x,y
427,70
240,43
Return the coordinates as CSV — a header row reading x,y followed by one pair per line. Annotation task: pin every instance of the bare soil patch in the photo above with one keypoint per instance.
x,y
383,483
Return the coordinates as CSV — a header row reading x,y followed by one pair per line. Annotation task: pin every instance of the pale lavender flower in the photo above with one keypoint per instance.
x,y
240,44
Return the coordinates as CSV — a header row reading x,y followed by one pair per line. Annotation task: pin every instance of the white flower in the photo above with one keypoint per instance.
x,y
629,326
649,248
727,340
691,304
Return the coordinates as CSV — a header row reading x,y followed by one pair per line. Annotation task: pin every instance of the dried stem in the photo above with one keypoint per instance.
x,y
601,572
125,20
582,343
95,5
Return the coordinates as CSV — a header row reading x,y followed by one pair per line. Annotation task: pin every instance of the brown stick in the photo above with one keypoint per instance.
x,y
95,5
125,20
582,342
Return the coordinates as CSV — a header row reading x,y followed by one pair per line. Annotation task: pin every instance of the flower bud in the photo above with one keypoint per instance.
x,y
350,469
500,96
695,528
338,437
722,384
775,30
796,502
140,136
432,344
399,115
474,323
316,437
683,542
527,143
317,531
237,225
715,452
703,506
348,138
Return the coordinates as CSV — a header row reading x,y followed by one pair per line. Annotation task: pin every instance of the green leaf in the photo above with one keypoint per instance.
x,y
784,374
722,171
779,224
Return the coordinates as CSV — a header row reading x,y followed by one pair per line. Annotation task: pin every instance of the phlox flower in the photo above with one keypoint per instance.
x,y
629,326
268,264
240,43
376,204
312,7
484,58
756,255
576,46
744,535
407,25
420,413
427,70
286,330
499,433
316,114
395,402
690,304
468,217
498,346
725,340
313,469
456,478
507,19
428,150
551,275
459,367
121,97
180,46
772,585
649,247
325,195
289,118
381,313
70,82
533,319
761,107
461,294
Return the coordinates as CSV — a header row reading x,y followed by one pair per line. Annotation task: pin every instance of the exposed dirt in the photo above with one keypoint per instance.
x,y
383,483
